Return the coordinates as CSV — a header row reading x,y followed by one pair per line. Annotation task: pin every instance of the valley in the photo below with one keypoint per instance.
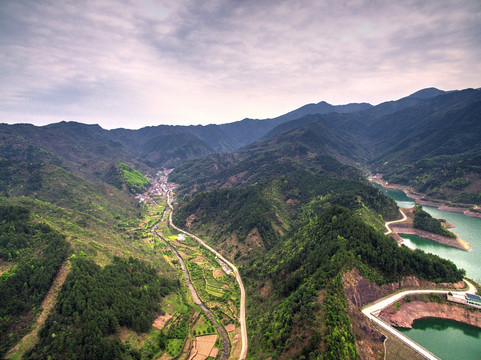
x,y
259,239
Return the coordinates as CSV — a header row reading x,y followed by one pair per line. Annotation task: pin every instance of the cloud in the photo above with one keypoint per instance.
x,y
142,63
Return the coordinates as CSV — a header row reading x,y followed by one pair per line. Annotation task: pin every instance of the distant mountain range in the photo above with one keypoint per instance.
x,y
286,199
388,138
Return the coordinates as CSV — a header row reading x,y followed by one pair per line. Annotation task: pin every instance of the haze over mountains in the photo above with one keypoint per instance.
x,y
388,138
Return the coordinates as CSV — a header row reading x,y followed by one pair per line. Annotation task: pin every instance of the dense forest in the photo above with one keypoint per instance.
x,y
33,253
271,206
424,221
313,258
95,303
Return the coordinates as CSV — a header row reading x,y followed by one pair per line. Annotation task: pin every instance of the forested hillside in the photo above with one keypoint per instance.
x,y
256,216
31,254
307,265
94,303
296,235
285,198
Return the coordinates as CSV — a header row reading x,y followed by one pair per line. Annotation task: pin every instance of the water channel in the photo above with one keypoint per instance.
x,y
433,334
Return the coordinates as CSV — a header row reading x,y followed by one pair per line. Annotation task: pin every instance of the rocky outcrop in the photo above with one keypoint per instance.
x,y
361,291
410,311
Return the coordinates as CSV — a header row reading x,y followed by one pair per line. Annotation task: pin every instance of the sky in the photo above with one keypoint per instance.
x,y
141,63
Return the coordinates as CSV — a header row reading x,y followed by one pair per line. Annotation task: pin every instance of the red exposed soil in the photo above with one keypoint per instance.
x,y
359,292
410,311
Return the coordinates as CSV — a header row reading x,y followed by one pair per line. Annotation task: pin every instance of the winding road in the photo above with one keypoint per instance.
x,y
242,315
373,310
198,301
404,218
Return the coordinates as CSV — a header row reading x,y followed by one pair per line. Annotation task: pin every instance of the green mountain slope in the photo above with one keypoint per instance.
x,y
83,150
94,303
434,147
299,149
254,217
292,207
300,284
31,254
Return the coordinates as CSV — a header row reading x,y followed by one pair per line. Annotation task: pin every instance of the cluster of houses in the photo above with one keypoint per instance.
x,y
158,187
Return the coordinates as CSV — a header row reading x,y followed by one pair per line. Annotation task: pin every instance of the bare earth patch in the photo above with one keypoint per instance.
x,y
161,321
408,312
230,327
217,273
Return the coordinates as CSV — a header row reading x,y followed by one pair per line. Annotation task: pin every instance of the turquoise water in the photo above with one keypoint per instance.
x,y
467,228
447,339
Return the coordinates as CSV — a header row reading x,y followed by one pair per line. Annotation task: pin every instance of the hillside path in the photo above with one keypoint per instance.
x,y
29,340
242,316
404,218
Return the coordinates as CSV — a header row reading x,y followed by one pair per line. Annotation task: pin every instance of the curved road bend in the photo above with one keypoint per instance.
x,y
205,309
372,310
404,218
242,317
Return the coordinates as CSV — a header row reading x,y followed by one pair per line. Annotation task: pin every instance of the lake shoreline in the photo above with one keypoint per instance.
x,y
405,226
457,242
418,199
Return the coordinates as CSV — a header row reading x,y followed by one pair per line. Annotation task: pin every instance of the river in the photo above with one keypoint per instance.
x,y
464,340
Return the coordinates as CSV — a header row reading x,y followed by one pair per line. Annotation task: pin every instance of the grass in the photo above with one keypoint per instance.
x,y
135,181
214,291
174,346
211,281
203,327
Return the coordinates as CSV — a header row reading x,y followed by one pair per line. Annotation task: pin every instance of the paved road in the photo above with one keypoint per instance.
x,y
372,310
395,221
198,301
242,317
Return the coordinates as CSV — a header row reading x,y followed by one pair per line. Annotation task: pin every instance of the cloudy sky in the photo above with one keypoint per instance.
x,y
148,62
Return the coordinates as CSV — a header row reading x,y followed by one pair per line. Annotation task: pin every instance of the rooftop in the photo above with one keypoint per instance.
x,y
473,297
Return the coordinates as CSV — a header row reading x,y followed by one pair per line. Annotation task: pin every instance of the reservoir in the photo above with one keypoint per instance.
x,y
431,333
467,228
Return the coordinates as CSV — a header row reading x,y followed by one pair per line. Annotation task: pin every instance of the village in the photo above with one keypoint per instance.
x,y
158,187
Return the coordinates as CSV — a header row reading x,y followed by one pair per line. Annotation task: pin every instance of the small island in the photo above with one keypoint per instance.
x,y
418,222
